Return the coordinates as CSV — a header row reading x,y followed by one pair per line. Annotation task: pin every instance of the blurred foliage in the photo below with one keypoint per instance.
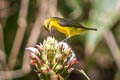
x,y
101,14
10,31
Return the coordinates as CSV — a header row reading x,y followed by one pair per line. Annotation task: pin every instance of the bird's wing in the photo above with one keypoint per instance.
x,y
67,22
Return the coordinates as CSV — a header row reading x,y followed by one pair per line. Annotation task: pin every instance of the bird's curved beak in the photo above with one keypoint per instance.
x,y
49,31
45,28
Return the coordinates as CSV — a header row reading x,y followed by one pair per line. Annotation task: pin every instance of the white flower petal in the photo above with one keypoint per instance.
x,y
34,50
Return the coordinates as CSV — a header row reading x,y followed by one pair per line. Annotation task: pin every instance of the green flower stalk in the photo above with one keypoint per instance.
x,y
52,60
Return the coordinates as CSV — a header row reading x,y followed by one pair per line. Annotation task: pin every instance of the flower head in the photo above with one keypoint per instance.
x,y
52,60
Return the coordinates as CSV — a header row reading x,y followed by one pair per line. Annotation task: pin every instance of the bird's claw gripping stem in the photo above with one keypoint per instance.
x,y
66,39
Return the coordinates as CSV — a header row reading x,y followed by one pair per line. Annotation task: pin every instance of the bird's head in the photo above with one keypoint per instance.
x,y
46,24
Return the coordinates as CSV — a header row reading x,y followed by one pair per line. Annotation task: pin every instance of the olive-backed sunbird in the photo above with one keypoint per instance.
x,y
65,26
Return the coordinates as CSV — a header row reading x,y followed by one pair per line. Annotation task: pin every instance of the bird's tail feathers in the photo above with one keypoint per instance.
x,y
91,29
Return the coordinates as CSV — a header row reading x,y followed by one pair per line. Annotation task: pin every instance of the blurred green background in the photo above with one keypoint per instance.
x,y
98,51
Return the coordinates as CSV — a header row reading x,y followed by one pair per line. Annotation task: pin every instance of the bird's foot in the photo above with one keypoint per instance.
x,y
65,40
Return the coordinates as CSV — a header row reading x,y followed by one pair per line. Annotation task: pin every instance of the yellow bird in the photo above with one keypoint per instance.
x,y
65,26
